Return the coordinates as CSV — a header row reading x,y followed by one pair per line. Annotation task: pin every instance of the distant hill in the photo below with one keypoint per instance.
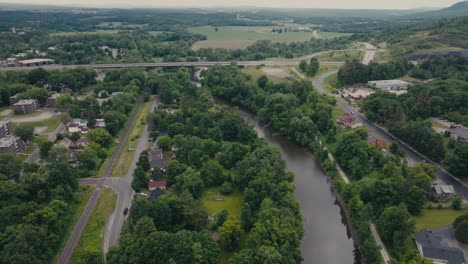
x,y
458,9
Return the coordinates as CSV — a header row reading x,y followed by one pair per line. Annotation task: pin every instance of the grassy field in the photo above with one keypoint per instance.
x,y
329,83
341,55
326,68
51,123
77,208
435,218
275,74
92,238
383,56
242,37
232,202
125,159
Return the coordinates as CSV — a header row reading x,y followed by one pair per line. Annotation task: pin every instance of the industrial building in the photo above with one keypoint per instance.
x,y
35,62
388,85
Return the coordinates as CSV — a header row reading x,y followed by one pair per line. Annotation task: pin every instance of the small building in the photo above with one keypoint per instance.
x,y
157,159
11,144
388,85
52,100
35,62
81,143
430,246
155,194
78,125
5,128
11,62
442,193
66,142
153,185
13,99
371,139
349,120
459,133
26,106
103,94
100,123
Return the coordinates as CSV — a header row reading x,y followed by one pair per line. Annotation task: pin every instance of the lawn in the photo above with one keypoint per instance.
x,y
435,218
91,240
330,82
326,68
341,55
77,208
274,74
51,123
242,37
125,159
232,202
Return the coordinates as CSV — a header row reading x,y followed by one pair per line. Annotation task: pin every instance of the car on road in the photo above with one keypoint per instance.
x,y
125,212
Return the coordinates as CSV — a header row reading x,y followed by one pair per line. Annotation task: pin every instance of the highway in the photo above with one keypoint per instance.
x,y
74,238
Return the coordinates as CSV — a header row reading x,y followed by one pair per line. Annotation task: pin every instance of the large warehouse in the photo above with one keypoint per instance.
x,y
387,85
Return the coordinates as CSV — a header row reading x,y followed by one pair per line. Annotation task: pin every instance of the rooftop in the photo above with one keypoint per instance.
x,y
26,102
461,132
156,184
6,142
432,247
444,189
32,61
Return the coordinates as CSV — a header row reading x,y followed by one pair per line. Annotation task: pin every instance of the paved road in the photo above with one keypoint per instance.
x,y
79,227
413,155
122,186
34,156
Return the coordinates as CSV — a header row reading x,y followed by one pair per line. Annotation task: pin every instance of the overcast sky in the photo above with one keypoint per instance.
x,y
354,4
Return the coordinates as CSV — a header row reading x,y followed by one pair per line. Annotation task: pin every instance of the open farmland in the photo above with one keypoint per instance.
x,y
242,37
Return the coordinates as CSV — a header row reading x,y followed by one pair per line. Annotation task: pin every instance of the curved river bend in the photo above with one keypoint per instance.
x,y
326,238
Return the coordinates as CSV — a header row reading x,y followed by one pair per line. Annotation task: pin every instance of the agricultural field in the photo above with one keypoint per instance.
x,y
242,37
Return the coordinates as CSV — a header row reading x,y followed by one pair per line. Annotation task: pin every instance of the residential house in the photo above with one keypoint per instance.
x,y
388,85
5,128
103,94
157,159
371,139
26,106
442,193
11,62
459,133
66,142
349,120
100,123
78,125
52,100
11,144
430,246
81,143
153,185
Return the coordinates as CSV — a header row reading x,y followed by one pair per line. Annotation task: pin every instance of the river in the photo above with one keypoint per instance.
x,y
326,237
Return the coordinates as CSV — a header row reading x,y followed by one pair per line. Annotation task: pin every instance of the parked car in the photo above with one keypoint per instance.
x,y
125,211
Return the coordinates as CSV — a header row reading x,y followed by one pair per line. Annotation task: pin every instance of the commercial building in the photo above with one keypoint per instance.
x,y
388,85
26,106
35,62
11,144
5,128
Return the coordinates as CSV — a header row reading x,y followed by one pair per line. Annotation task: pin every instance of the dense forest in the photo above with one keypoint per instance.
x,y
214,147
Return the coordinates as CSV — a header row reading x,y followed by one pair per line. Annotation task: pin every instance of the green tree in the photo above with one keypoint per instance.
x,y
140,179
24,131
189,181
44,148
164,142
461,232
459,219
262,81
212,173
457,203
396,227
230,233
87,158
100,136
313,67
64,102
221,218
303,65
